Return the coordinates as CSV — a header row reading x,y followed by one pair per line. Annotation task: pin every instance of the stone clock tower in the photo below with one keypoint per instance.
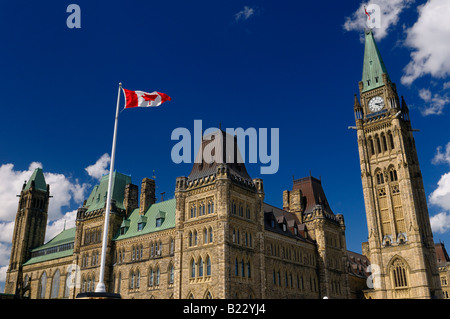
x,y
400,241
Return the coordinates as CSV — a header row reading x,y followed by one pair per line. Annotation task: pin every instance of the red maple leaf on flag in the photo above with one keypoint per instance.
x,y
149,97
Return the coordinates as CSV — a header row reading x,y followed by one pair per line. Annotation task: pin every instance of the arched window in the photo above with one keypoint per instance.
x,y
68,284
371,146
380,178
242,268
379,150
190,238
193,268
138,279
383,139
249,272
208,266
195,237
55,285
205,236
208,295
399,273
391,140
131,280
172,246
151,277
42,285
236,267
210,235
393,175
158,275
200,267
171,273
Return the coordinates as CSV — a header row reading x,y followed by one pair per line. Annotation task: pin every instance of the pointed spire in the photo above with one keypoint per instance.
x,y
373,66
37,181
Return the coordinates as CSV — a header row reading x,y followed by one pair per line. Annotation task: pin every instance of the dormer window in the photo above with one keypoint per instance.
x,y
141,222
295,230
124,226
284,227
272,223
160,217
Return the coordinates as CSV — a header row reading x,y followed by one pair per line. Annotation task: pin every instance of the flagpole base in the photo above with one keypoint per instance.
x,y
98,295
100,287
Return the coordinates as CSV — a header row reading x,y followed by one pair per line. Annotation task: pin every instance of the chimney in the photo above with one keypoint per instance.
x,y
147,195
131,198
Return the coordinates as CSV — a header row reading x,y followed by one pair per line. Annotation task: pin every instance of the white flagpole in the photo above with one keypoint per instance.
x,y
101,285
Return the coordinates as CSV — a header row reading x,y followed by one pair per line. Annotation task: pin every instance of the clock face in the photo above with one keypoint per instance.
x,y
376,104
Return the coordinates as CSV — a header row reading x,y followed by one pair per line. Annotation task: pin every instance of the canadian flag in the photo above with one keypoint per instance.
x,y
144,99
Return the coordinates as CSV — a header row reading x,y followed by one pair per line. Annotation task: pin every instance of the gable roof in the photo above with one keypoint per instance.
x,y
165,210
97,198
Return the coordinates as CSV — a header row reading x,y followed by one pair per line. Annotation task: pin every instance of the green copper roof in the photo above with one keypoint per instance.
x,y
39,180
53,249
373,66
97,198
164,210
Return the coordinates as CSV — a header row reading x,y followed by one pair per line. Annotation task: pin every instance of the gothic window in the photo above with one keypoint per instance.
x,y
393,175
151,274
138,279
249,272
236,267
399,274
377,138
158,275
391,140
248,212
208,295
171,273
195,237
131,280
372,148
42,285
67,284
383,138
380,178
208,266
205,236
193,268
200,267
190,238
55,284
210,235
242,268
172,246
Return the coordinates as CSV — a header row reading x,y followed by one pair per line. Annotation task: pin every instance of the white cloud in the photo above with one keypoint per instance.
x,y
429,39
435,103
390,11
54,228
62,189
100,167
244,14
442,157
440,223
441,195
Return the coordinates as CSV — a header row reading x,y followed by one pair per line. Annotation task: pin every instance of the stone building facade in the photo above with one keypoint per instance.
x,y
216,238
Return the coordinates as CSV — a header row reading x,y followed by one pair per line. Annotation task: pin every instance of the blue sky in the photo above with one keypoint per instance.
x,y
265,64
